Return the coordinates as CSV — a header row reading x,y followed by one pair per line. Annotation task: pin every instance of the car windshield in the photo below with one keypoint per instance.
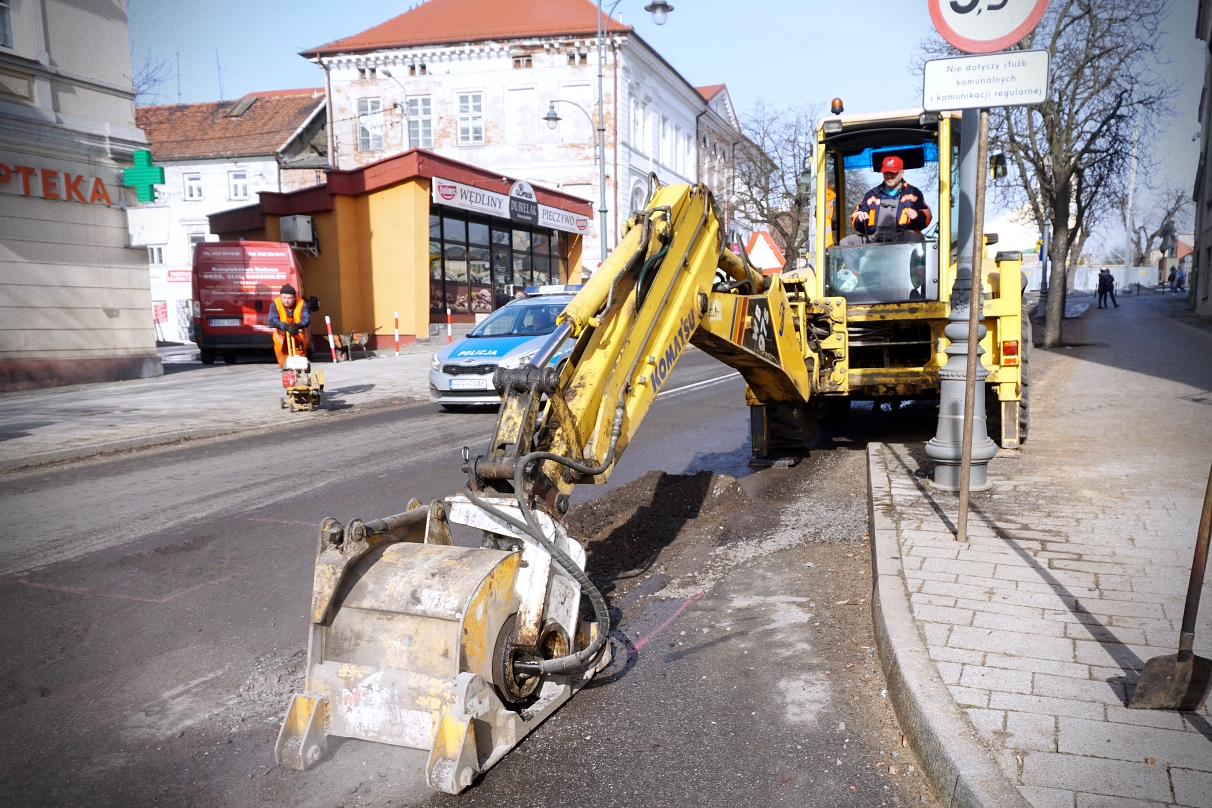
x,y
883,273
532,320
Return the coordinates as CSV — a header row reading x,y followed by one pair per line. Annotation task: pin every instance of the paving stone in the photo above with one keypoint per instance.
x,y
1096,631
1002,679
953,567
1112,778
1102,801
1107,739
989,724
931,600
968,697
1066,687
950,671
1040,797
1037,665
1028,625
1044,705
936,633
996,605
970,593
1163,719
1030,731
1192,788
942,614
997,641
943,653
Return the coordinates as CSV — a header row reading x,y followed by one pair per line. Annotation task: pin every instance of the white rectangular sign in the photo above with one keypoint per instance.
x,y
457,195
1006,79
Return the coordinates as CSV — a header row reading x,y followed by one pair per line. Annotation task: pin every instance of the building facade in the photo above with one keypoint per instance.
x,y
417,235
1201,259
474,80
218,155
74,298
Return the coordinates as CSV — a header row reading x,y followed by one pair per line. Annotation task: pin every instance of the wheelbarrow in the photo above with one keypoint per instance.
x,y
347,344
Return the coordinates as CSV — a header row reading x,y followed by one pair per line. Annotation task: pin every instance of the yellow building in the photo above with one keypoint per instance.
x,y
417,234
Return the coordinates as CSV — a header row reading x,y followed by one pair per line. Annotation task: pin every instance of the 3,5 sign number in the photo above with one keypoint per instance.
x,y
985,26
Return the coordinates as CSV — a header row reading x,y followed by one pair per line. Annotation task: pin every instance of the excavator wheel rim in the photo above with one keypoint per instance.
x,y
504,655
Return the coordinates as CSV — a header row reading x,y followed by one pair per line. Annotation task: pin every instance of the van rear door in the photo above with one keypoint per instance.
x,y
236,284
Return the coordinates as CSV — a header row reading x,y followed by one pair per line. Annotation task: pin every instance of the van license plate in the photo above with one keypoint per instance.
x,y
468,384
218,322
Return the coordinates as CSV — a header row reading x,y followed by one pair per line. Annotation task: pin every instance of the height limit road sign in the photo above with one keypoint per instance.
x,y
985,26
1007,79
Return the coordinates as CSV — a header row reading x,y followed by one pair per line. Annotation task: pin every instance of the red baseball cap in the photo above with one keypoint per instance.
x,y
891,164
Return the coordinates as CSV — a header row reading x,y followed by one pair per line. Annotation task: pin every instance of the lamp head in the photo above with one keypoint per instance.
x,y
386,71
659,9
552,117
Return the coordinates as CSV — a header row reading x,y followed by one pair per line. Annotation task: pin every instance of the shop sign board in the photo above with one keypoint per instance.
x,y
985,26
467,197
1008,79
523,204
46,183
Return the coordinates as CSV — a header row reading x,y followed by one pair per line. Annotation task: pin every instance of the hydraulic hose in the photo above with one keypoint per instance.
x,y
533,530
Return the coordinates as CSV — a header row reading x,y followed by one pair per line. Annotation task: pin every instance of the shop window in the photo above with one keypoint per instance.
x,y
155,255
420,122
193,187
6,23
237,185
471,119
479,264
370,124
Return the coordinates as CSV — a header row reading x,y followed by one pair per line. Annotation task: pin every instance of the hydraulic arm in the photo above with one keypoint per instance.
x,y
463,650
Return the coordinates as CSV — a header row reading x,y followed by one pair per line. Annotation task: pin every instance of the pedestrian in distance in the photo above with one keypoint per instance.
x,y
1106,288
289,315
1181,280
1172,278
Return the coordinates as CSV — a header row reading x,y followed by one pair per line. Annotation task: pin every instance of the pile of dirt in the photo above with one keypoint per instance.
x,y
273,678
636,527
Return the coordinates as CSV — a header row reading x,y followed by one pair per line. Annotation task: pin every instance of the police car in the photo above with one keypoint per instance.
x,y
461,373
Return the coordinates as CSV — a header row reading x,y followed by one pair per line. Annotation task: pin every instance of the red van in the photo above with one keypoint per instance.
x,y
235,283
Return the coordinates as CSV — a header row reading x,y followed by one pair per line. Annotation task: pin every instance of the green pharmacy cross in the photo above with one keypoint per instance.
x,y
143,176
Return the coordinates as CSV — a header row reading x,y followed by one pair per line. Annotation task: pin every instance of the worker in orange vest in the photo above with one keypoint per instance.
x,y
289,315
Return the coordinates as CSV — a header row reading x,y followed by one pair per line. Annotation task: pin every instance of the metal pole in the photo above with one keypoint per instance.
x,y
1128,222
974,318
601,134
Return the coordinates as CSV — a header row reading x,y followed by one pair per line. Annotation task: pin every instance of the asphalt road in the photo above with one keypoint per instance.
x,y
156,623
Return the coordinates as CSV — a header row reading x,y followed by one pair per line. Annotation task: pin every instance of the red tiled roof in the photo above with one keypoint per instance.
x,y
203,131
438,22
710,91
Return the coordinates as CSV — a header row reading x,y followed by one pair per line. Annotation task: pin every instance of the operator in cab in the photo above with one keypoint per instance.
x,y
892,212
289,315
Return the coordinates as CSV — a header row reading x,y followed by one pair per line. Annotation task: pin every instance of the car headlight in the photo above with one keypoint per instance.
x,y
435,363
518,361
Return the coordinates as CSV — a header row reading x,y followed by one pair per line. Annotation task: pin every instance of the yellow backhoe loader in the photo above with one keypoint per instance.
x,y
893,319
463,650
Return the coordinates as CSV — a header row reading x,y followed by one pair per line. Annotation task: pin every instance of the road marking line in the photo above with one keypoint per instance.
x,y
634,648
79,590
697,385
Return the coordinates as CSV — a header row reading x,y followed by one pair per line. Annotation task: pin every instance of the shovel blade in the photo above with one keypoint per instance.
x,y
1171,683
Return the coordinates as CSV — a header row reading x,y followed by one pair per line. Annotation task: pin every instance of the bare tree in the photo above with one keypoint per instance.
x,y
149,78
1175,206
776,149
1069,155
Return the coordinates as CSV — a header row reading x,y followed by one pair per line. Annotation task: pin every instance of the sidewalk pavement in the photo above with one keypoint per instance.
x,y
189,401
1021,648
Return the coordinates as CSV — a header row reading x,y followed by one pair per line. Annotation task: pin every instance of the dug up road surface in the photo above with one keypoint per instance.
x,y
156,609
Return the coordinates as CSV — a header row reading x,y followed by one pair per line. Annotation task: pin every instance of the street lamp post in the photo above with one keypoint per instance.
x,y
659,9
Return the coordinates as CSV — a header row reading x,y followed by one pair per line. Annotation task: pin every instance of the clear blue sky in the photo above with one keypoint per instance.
x,y
785,52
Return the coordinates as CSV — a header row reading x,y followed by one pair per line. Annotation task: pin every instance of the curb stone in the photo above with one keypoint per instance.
x,y
962,772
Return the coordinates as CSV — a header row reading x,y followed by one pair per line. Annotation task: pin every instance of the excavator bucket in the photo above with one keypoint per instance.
x,y
413,639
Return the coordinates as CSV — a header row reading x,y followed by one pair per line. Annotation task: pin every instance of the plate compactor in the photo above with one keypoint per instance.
x,y
304,386
419,641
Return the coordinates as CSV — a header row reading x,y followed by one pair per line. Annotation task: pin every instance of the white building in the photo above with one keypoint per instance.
x,y
219,155
474,86
74,302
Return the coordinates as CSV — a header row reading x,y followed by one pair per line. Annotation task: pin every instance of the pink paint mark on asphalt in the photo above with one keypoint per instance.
x,y
282,521
634,648
79,590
